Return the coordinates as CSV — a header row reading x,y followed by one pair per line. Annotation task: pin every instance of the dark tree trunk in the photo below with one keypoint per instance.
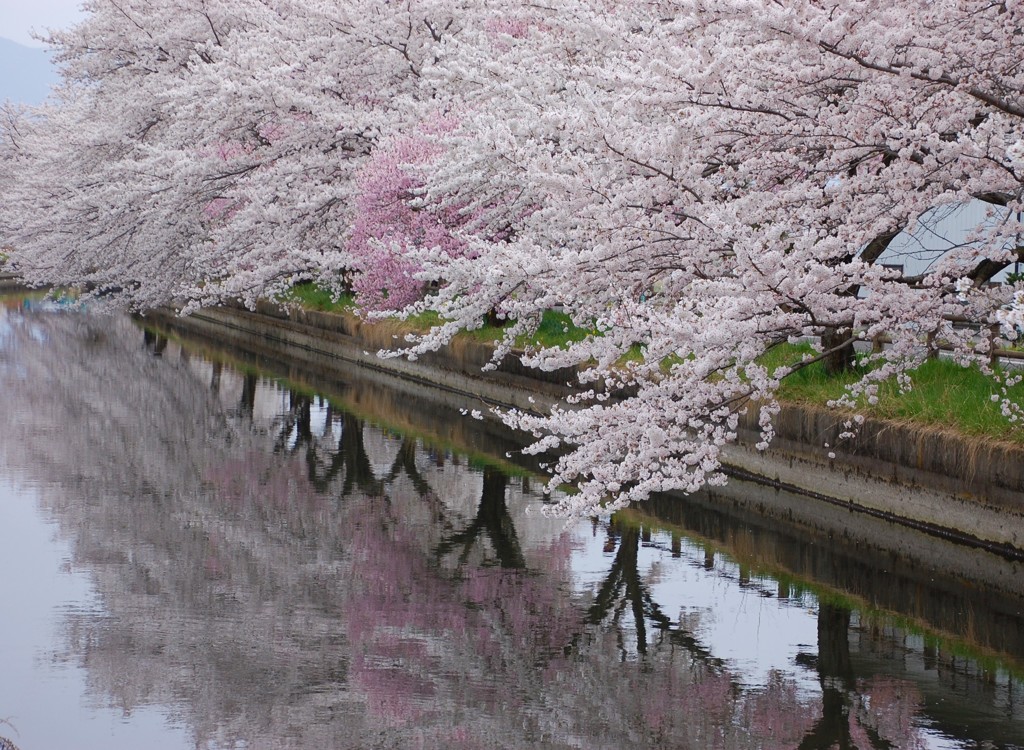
x,y
492,319
841,356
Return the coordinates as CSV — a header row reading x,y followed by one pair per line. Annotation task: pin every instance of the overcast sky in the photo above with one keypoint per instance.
x,y
19,17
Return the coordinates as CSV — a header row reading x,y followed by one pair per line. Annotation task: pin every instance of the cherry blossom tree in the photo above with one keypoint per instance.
x,y
390,221
696,183
715,180
204,150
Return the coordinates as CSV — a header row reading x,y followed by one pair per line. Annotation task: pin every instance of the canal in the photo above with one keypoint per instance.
x,y
209,549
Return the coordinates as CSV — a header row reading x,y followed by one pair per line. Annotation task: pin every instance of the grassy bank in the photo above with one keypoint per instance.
x,y
556,329
944,395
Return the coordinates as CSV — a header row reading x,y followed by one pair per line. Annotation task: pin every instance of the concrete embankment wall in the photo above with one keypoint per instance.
x,y
940,481
959,489
9,284
325,340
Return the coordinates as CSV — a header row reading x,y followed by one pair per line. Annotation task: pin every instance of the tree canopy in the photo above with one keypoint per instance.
x,y
695,182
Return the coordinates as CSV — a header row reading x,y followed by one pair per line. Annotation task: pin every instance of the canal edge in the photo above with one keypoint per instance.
x,y
978,503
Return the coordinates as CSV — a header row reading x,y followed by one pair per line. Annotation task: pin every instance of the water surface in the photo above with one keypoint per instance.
x,y
201,556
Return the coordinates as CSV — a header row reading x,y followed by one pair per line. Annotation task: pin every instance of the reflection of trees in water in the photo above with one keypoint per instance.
x,y
624,589
492,520
305,579
336,449
876,714
493,639
81,393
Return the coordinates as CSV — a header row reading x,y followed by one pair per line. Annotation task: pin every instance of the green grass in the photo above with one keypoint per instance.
x,y
315,297
556,328
810,384
944,395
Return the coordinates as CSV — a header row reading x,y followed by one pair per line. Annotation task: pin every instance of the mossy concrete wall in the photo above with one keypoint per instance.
x,y
329,340
938,480
961,489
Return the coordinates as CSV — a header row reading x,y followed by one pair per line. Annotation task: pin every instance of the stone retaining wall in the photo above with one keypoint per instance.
x,y
960,489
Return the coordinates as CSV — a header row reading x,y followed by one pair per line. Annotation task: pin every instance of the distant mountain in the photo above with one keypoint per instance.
x,y
25,73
